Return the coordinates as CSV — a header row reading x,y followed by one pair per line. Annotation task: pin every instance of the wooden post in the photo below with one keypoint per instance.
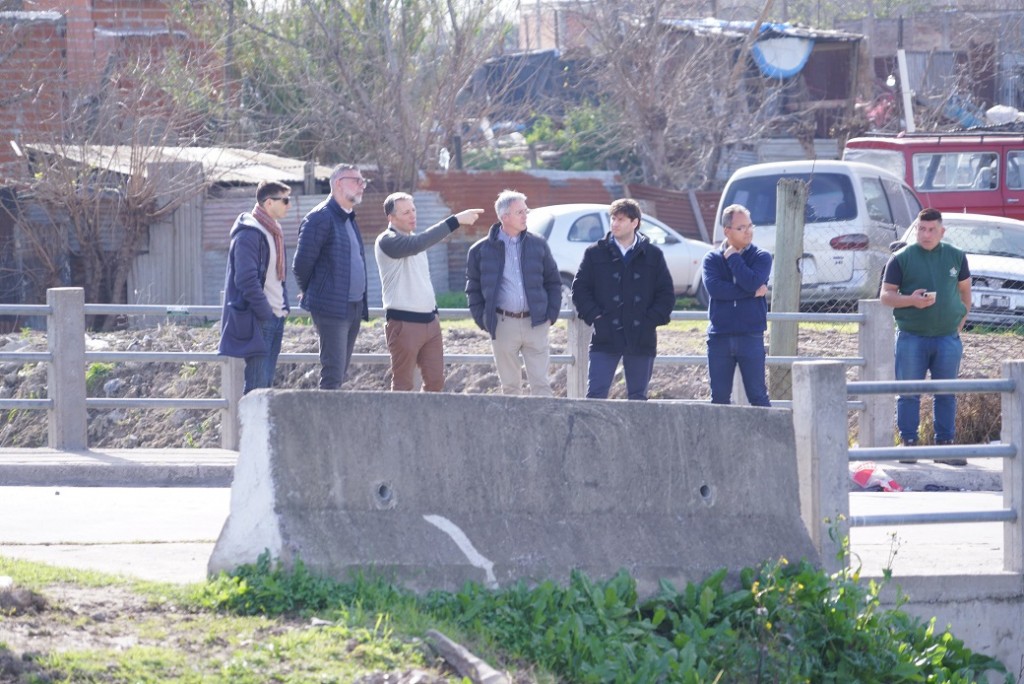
x,y
65,375
1013,468
791,198
309,178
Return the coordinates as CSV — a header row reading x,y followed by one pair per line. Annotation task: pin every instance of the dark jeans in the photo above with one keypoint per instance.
x,y
725,352
337,340
915,356
259,370
636,368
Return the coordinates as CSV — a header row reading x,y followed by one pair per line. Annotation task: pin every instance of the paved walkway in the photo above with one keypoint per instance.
x,y
156,514
118,467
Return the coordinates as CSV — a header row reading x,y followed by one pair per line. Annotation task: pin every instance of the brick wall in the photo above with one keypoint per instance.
x,y
55,52
32,77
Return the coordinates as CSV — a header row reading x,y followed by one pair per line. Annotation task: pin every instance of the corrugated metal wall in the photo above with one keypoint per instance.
x,y
220,214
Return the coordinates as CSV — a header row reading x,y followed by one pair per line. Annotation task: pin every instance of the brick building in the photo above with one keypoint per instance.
x,y
59,56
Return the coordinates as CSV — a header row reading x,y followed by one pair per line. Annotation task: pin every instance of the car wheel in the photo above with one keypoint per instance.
x,y
566,292
702,295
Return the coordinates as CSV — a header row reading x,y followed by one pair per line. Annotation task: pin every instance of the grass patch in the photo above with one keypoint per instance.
x,y
452,300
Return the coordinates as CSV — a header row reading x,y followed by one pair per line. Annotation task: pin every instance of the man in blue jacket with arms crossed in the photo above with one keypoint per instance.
x,y
736,278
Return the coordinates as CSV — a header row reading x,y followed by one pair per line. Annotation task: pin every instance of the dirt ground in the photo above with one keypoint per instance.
x,y
127,428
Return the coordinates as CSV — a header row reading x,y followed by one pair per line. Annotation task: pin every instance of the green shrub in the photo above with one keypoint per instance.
x,y
783,623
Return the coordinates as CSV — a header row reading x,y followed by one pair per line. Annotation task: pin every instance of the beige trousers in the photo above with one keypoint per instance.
x,y
515,337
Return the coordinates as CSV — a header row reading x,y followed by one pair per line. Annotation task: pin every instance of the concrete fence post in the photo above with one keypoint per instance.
x,y
875,340
232,380
1013,468
68,427
822,453
578,345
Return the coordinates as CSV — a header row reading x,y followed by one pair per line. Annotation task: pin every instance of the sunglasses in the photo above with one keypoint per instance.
x,y
286,200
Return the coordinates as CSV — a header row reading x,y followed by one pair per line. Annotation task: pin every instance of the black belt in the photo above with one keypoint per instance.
x,y
509,314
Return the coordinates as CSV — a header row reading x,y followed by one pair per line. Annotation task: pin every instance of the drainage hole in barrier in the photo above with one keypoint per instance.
x,y
707,494
384,495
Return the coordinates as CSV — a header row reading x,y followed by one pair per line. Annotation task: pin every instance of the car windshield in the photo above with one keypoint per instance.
x,y
985,239
830,197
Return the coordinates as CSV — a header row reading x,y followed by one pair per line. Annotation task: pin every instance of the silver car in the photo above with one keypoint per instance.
x,y
571,228
995,255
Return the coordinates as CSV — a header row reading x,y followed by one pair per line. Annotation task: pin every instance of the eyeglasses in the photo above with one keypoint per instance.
x,y
286,200
743,228
359,181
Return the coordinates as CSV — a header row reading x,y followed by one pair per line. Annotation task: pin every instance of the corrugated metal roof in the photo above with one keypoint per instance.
x,y
221,164
740,29
30,16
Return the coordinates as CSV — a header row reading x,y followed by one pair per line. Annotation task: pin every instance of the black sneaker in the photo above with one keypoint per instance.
x,y
949,461
908,443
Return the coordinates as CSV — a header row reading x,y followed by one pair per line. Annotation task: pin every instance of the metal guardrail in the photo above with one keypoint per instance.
x,y
213,312
965,451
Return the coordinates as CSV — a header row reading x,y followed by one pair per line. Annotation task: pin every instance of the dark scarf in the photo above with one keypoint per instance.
x,y
274,228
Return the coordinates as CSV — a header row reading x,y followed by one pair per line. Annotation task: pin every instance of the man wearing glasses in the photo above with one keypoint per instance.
x,y
330,268
255,294
736,278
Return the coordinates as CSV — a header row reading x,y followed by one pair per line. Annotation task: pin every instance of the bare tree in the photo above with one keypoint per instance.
x,y
681,93
371,81
112,167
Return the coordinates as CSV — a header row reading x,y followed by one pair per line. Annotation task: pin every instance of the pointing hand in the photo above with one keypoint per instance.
x,y
469,216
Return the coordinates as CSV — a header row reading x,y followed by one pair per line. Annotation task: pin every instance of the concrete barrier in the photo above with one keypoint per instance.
x,y
434,490
983,610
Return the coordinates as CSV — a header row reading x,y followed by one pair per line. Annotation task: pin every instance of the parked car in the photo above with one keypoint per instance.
x,y
571,228
995,255
853,212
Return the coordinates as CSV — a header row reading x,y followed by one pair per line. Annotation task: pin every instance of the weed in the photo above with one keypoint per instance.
x,y
783,623
96,374
978,418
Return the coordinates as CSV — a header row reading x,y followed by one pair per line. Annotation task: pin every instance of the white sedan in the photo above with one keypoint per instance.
x,y
571,228
995,255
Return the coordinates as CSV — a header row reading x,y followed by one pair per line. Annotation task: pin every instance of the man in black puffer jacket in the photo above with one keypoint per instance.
x,y
514,293
624,290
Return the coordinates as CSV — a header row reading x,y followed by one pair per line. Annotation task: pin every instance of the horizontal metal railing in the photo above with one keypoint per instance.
x,y
938,452
213,312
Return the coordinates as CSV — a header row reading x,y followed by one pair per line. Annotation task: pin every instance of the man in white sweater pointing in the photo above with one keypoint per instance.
x,y
413,330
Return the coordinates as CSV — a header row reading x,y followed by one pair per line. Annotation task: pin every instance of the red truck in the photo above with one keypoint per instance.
x,y
981,173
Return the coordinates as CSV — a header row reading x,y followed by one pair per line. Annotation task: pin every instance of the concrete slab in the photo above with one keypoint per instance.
x,y
117,467
979,475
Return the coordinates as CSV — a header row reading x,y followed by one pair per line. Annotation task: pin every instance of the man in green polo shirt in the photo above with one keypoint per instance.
x,y
928,285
